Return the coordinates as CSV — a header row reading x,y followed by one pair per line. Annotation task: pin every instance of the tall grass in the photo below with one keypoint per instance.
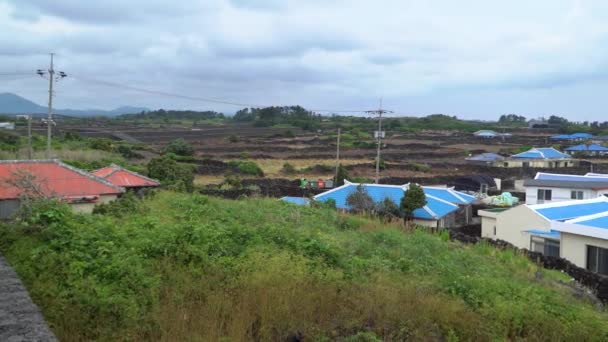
x,y
188,267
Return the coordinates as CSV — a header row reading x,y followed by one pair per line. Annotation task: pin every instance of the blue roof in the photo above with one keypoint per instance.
x,y
486,157
574,136
572,210
599,222
436,207
552,234
449,195
542,153
296,200
487,134
572,178
592,148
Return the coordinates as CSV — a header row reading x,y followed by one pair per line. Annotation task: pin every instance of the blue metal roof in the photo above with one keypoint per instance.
x,y
449,195
542,153
574,136
435,208
486,157
572,210
591,148
552,234
571,178
599,222
296,200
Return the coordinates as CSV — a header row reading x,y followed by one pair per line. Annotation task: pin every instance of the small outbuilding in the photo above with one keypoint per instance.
x,y
51,179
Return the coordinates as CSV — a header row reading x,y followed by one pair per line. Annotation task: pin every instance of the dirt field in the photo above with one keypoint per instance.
x,y
426,154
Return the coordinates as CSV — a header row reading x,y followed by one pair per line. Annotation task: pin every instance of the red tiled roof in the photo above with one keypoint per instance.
x,y
53,178
125,178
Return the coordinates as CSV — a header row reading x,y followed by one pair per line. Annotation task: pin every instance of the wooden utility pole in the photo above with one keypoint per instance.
x,y
338,154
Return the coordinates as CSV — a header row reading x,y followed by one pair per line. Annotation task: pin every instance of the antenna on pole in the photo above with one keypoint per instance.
x,y
379,134
49,120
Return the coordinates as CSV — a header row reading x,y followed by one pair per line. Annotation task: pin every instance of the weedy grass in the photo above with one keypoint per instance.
x,y
189,267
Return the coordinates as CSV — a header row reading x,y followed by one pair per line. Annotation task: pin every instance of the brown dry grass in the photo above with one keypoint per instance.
x,y
277,297
272,167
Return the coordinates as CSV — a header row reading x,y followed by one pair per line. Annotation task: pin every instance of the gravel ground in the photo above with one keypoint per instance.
x,y
20,318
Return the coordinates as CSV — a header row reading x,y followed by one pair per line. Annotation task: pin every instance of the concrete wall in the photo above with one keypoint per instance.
x,y
425,223
511,225
487,227
574,247
87,208
558,194
8,208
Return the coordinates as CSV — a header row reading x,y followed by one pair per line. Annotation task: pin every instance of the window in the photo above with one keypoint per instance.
x,y
576,195
597,259
548,247
543,195
506,164
484,188
494,230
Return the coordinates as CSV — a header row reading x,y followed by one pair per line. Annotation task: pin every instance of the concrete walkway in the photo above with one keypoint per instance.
x,y
20,318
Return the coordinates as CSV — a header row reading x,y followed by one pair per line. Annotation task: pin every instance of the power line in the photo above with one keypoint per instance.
x,y
198,98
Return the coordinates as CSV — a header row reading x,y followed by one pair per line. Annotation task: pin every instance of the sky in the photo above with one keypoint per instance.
x,y
476,59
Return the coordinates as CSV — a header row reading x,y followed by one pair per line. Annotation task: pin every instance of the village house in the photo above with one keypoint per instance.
x,y
572,137
584,241
441,209
127,179
541,157
549,187
51,179
587,150
532,227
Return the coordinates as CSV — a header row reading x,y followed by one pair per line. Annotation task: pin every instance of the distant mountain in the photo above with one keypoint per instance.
x,y
14,104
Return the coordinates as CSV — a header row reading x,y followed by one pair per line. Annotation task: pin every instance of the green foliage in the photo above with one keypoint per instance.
x,y
179,147
382,164
387,209
44,212
200,268
171,173
9,141
125,205
233,182
414,199
360,201
341,175
288,169
417,167
233,138
247,168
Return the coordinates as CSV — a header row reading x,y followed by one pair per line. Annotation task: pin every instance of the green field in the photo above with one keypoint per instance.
x,y
183,267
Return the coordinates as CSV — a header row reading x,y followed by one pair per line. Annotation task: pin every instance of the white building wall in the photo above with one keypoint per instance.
x,y
557,194
487,227
87,208
511,225
574,247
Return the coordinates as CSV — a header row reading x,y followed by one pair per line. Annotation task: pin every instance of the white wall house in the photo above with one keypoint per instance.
x,y
576,230
550,187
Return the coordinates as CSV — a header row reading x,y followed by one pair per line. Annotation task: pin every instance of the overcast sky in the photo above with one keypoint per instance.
x,y
471,58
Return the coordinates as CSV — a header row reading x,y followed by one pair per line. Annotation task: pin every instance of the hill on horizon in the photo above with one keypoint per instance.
x,y
14,104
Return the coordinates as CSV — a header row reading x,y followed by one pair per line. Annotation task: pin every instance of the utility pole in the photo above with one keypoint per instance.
x,y
50,117
29,138
379,135
338,155
49,120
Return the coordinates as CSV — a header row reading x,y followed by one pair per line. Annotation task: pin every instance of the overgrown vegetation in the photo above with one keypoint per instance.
x,y
247,167
169,172
198,268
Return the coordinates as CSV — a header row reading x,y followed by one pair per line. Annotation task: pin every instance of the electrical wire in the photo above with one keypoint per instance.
x,y
196,98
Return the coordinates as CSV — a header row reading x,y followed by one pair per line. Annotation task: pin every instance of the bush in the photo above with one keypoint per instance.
x,y
171,173
44,212
128,152
179,147
360,201
125,205
233,138
288,169
247,168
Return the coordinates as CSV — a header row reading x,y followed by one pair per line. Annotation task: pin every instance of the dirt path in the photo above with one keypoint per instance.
x,y
20,318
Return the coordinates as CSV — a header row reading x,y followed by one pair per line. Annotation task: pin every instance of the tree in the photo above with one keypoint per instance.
x,y
414,199
360,201
172,173
341,175
179,147
387,209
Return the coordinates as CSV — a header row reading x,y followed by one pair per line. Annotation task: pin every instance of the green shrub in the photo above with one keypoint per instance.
x,y
128,203
288,169
171,173
247,168
179,147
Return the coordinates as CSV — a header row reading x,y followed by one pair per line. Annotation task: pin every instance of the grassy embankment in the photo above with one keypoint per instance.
x,y
188,267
